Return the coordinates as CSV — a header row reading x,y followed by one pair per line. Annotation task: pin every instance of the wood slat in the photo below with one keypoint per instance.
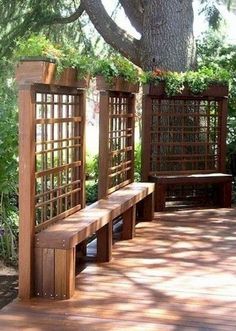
x,y
178,273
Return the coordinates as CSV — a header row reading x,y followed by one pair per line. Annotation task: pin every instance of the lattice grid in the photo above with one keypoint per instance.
x,y
58,154
185,136
121,138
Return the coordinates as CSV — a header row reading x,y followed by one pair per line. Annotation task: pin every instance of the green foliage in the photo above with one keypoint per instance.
x,y
91,167
8,164
91,189
196,81
37,45
218,56
137,162
91,186
116,66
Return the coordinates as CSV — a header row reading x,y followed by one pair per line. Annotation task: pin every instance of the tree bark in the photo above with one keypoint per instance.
x,y
167,40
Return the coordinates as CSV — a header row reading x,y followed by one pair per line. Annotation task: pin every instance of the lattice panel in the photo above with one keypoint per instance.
x,y
58,154
120,140
185,136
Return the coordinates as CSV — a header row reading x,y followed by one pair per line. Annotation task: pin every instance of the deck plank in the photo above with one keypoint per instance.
x,y
178,273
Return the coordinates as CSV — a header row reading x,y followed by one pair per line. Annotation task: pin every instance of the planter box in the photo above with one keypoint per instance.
x,y
83,83
35,70
117,84
214,90
68,77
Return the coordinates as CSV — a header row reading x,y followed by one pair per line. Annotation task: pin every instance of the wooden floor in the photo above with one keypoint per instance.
x,y
179,273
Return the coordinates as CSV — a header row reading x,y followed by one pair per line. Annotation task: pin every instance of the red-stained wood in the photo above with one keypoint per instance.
x,y
26,190
103,145
184,135
222,182
59,241
128,228
64,273
48,272
178,273
104,243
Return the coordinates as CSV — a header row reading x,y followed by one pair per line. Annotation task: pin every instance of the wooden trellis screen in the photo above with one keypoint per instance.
x,y
51,161
116,144
183,135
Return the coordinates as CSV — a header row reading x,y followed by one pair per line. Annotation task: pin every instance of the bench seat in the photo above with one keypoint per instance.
x,y
222,182
55,245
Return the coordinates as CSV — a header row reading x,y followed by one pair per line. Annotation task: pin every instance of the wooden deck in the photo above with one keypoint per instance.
x,y
179,273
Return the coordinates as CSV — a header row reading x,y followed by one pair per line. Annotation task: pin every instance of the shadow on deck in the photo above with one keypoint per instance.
x,y
179,273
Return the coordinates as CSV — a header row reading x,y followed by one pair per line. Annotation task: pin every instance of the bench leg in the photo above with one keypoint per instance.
x,y
224,192
129,219
104,243
145,208
54,273
148,207
160,197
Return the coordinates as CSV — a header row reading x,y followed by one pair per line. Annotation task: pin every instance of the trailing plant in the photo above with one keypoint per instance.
x,y
70,58
39,47
116,66
196,81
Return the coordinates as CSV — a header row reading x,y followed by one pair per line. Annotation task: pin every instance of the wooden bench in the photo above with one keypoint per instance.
x,y
55,246
222,182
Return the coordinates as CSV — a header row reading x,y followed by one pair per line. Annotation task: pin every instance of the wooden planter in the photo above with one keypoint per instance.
x,y
67,77
117,84
35,70
83,83
214,90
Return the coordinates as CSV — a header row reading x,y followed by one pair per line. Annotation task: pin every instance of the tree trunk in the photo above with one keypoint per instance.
x,y
166,28
167,40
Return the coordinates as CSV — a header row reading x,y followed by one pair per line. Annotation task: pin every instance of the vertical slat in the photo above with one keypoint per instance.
x,y
104,243
60,274
129,219
38,271
71,257
132,138
83,145
64,273
222,124
103,145
26,190
48,272
146,139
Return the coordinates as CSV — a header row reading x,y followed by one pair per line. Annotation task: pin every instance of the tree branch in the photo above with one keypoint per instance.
x,y
69,19
134,11
110,31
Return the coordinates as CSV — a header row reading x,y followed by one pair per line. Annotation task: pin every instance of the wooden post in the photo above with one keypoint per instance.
x,y
103,145
222,125
104,243
26,189
83,146
146,141
129,218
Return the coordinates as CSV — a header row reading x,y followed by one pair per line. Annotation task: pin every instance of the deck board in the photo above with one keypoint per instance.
x,y
178,273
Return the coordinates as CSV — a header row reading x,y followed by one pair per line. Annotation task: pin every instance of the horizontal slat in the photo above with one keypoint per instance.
x,y
57,169
58,120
